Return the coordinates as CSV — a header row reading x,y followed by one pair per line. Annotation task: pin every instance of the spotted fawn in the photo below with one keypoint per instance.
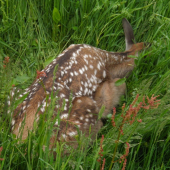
x,y
89,74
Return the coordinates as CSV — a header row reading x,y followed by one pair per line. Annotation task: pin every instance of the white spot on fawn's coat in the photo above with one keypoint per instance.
x,y
64,116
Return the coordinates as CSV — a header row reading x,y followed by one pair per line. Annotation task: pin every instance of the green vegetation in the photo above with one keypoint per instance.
x,y
33,33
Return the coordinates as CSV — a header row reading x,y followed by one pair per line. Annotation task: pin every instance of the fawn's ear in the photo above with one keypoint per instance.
x,y
129,36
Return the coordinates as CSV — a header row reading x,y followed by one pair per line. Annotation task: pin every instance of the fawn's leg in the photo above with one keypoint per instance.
x,y
108,94
83,119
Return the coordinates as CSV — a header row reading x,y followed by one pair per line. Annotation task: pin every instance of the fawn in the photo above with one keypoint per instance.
x,y
89,74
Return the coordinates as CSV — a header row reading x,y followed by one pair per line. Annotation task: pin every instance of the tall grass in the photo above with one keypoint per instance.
x,y
32,33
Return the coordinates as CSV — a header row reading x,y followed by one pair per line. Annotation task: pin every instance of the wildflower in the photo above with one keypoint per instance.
x,y
146,107
153,103
1,148
121,130
101,154
123,157
124,164
127,149
139,120
101,149
113,117
129,117
6,60
104,160
123,108
41,74
126,152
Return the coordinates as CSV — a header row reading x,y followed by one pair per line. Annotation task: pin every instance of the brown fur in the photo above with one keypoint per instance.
x,y
108,94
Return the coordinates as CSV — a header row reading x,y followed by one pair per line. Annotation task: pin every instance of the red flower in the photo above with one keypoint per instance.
x,y
123,157
1,148
113,117
140,120
124,164
153,102
101,149
41,74
128,117
6,60
104,160
101,154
